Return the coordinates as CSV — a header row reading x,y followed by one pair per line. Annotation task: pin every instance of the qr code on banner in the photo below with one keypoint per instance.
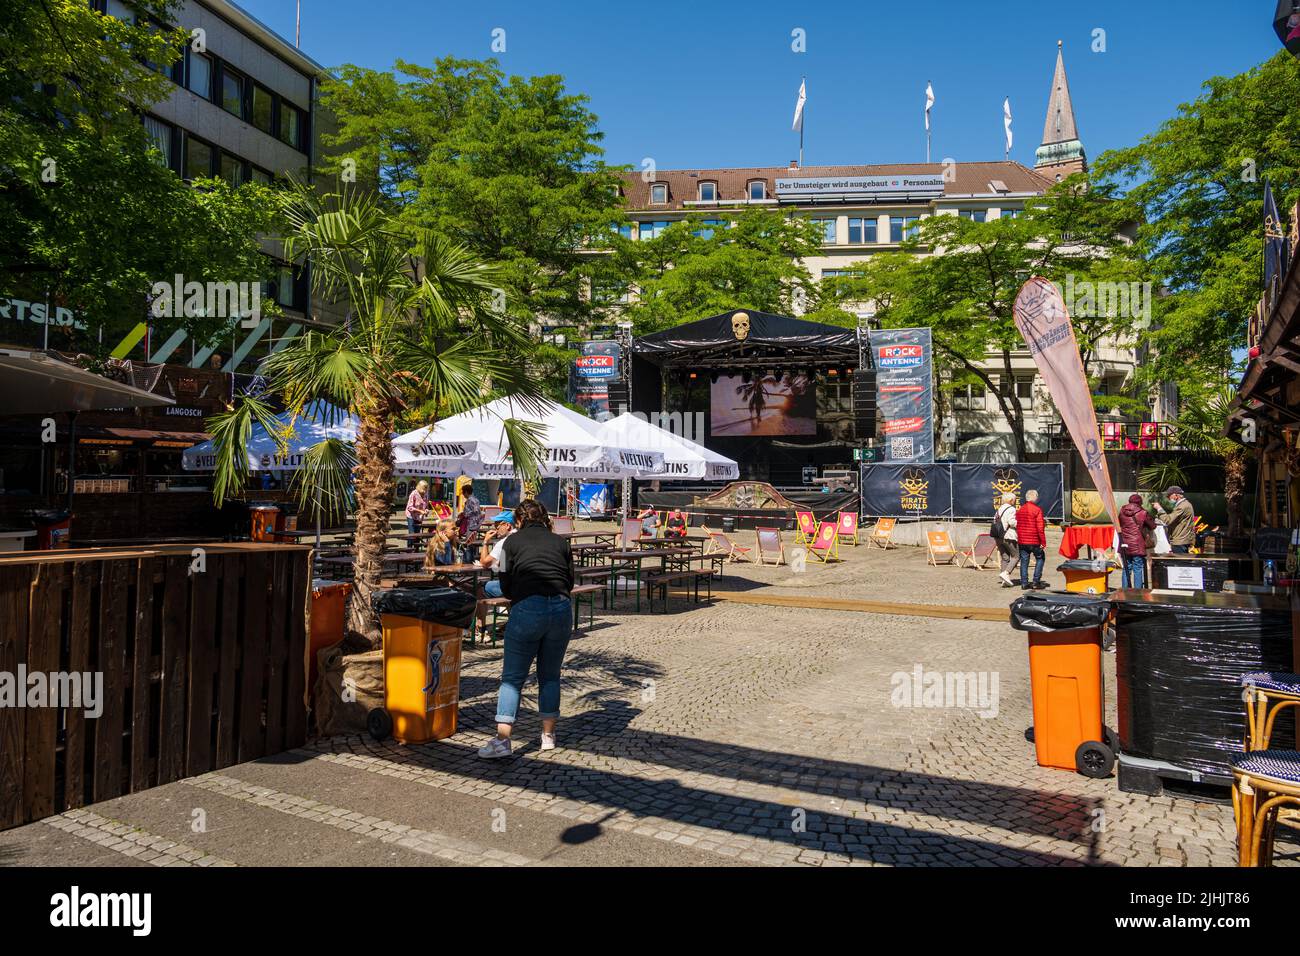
x,y
900,448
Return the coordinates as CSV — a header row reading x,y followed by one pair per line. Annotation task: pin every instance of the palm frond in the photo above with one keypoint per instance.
x,y
324,482
230,433
525,440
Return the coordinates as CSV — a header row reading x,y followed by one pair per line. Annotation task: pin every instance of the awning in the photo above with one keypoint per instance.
x,y
157,438
34,383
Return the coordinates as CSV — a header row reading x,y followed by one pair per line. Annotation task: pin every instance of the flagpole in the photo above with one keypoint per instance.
x,y
297,25
802,119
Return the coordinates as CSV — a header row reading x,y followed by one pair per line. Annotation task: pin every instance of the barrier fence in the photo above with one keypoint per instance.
x,y
958,490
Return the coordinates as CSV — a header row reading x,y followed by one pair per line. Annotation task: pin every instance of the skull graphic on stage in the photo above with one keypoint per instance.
x,y
740,326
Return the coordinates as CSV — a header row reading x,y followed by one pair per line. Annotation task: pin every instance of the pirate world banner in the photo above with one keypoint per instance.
x,y
957,491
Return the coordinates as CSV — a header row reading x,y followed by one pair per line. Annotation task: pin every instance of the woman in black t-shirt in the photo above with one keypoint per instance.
x,y
536,569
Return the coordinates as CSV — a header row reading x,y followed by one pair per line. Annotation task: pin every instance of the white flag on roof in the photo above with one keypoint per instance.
x,y
929,103
1006,120
797,126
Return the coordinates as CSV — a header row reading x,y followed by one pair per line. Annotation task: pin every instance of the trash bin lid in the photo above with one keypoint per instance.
x,y
446,606
263,506
1059,611
1097,565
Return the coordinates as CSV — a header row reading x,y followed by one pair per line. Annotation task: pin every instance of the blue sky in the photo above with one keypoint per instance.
x,y
714,84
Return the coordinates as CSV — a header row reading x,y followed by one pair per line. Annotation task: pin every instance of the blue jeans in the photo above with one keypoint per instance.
x,y
492,589
1135,571
412,526
538,627
1039,557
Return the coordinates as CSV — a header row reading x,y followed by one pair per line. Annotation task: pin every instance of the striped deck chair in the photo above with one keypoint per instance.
x,y
770,545
848,527
939,545
442,511
719,543
881,533
805,527
562,525
632,530
826,545
978,556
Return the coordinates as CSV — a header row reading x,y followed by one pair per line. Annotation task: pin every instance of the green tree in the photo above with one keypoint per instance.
x,y
422,331
693,270
1196,186
966,290
92,218
511,167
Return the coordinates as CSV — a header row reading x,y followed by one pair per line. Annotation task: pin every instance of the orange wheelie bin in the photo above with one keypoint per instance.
x,y
1069,729
422,632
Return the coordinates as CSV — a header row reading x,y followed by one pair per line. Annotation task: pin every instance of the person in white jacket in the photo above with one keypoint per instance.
x,y
1008,545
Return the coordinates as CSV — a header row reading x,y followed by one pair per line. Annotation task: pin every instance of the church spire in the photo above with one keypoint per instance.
x,y
1061,152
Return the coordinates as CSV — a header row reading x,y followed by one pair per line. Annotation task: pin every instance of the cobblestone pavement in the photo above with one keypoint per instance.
x,y
723,734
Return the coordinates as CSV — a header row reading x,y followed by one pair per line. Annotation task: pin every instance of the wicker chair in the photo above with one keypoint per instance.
x,y
1264,783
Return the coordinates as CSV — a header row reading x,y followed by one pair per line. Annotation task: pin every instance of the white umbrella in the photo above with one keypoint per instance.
x,y
683,458
473,443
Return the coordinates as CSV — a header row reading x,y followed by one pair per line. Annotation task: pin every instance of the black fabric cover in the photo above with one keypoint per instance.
x,y
765,329
1179,661
1059,611
445,606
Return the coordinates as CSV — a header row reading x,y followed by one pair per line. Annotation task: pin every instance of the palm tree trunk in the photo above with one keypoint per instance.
x,y
1234,488
374,491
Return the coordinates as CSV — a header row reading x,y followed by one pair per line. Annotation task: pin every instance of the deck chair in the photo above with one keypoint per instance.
x,y
826,544
881,532
848,527
939,545
442,511
719,543
805,527
562,525
631,532
978,556
770,545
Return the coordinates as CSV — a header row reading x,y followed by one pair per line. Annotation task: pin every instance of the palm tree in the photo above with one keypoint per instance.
x,y
422,329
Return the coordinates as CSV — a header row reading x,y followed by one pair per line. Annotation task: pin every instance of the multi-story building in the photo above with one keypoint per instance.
x,y
243,106
868,209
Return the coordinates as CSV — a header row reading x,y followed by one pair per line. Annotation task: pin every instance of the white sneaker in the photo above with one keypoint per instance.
x,y
548,741
494,748
1005,577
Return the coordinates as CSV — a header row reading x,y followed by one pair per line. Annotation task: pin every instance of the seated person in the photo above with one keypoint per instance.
x,y
490,551
443,546
676,525
649,522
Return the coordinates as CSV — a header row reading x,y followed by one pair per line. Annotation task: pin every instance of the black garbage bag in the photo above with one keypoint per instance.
x,y
1081,564
445,606
1059,611
43,517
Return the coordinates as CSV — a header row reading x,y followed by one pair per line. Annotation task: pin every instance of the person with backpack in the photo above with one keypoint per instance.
x,y
1031,535
1134,523
1004,533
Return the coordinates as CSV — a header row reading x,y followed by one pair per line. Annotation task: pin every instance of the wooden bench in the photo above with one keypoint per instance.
x,y
497,606
589,591
661,579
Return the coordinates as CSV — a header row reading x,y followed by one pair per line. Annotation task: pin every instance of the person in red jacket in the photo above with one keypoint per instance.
x,y
1134,523
1031,534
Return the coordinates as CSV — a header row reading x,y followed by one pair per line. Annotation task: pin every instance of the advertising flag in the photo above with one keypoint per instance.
x,y
929,103
1006,121
1042,319
797,126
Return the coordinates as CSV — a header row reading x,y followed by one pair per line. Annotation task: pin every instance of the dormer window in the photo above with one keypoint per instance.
x,y
757,189
659,194
708,192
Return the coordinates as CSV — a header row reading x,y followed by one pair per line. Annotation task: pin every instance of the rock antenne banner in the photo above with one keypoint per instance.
x,y
904,392
1042,319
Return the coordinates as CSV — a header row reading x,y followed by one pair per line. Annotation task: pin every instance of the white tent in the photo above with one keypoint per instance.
x,y
473,443
683,458
283,451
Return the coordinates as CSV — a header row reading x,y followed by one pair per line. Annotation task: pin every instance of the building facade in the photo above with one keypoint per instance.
x,y
868,209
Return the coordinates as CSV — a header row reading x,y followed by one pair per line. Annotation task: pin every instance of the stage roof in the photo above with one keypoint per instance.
x,y
743,335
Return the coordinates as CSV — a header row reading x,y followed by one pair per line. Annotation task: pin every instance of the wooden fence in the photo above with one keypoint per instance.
x,y
201,669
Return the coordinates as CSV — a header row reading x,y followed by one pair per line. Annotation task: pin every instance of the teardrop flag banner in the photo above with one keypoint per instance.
x,y
1042,319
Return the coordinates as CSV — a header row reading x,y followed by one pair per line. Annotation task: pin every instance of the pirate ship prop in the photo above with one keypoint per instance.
x,y
787,399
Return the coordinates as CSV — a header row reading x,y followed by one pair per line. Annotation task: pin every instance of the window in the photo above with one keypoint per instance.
x,y
263,100
708,192
286,288
1022,386
837,289
232,169
198,158
200,79
758,189
120,11
624,230
901,227
1012,213
160,134
609,293
968,398
828,230
261,177
862,231
232,92
974,215
652,230
659,193
291,125
707,227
